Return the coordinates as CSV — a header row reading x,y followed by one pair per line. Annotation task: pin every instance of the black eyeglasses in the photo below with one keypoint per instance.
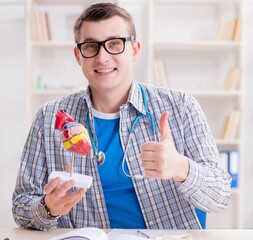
x,y
113,46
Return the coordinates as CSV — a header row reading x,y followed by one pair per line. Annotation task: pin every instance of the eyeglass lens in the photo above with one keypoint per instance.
x,y
112,46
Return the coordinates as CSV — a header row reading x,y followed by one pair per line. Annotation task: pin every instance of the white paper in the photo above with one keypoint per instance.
x,y
89,232
131,234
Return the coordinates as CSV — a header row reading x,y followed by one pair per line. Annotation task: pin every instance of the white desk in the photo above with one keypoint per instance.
x,y
23,234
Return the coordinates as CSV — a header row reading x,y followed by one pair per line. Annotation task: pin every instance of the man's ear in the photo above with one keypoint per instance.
x,y
136,49
76,53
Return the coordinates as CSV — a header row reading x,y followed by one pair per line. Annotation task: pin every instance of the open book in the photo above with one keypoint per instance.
x,y
124,234
88,233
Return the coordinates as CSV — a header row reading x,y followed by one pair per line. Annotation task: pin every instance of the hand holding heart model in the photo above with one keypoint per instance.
x,y
75,138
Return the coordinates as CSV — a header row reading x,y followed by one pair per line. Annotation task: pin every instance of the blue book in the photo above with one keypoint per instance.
x,y
233,167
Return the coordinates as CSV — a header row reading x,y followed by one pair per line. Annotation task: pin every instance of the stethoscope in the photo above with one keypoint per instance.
x,y
100,156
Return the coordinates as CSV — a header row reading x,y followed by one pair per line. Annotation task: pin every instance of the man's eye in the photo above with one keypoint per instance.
x,y
90,46
114,43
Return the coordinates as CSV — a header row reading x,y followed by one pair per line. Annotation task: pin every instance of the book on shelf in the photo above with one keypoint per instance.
x,y
230,162
224,159
231,125
160,73
40,26
229,30
224,127
236,29
233,167
233,79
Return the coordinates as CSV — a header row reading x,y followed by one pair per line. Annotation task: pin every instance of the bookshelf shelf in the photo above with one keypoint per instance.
x,y
214,93
52,44
228,142
235,191
60,2
196,1
206,45
54,92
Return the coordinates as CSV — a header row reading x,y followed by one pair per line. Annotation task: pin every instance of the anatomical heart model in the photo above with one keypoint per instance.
x,y
75,136
75,139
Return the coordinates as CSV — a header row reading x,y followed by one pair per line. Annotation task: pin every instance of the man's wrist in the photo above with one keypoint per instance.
x,y
183,171
44,210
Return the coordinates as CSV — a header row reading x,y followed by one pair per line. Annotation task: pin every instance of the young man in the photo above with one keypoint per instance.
x,y
161,161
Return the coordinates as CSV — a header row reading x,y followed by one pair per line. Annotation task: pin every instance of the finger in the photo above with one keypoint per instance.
x,y
67,207
64,187
154,174
52,185
149,146
148,165
147,156
150,173
72,197
164,127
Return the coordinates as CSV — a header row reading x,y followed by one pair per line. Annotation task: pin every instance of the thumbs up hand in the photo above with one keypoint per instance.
x,y
161,159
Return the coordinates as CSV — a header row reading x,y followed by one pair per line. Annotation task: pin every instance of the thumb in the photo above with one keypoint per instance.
x,y
164,127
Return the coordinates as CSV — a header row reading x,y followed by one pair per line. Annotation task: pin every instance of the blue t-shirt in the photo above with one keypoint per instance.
x,y
120,197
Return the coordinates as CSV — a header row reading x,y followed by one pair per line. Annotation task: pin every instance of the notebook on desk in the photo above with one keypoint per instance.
x,y
124,234
148,234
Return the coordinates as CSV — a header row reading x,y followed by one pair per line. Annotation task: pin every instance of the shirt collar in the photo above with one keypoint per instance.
x,y
135,97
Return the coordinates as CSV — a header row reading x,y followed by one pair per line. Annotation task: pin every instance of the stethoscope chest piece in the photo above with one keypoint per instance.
x,y
100,157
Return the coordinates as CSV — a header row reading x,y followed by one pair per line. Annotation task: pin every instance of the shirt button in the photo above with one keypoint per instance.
x,y
150,223
130,159
124,129
140,190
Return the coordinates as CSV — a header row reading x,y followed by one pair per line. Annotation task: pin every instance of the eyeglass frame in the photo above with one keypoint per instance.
x,y
102,43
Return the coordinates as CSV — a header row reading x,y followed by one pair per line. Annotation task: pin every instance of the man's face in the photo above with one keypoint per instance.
x,y
107,72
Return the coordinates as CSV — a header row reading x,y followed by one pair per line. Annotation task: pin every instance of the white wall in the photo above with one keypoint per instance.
x,y
248,177
12,105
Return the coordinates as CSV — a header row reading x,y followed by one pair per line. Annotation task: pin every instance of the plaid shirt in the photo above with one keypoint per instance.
x,y
165,204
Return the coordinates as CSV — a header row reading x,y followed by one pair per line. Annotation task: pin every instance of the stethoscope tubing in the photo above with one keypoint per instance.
x,y
133,126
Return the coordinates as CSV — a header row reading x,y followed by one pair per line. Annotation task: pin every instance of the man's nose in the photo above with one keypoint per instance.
x,y
103,55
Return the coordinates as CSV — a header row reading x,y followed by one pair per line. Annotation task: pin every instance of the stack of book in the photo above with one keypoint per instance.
x,y
40,26
230,162
233,79
231,125
229,30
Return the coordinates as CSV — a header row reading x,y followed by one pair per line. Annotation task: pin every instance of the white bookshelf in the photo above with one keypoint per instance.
x,y
183,33
52,70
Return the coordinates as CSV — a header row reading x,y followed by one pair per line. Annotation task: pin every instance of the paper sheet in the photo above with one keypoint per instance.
x,y
148,234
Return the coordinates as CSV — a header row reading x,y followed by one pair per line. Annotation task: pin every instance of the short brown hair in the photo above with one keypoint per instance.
x,y
102,11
